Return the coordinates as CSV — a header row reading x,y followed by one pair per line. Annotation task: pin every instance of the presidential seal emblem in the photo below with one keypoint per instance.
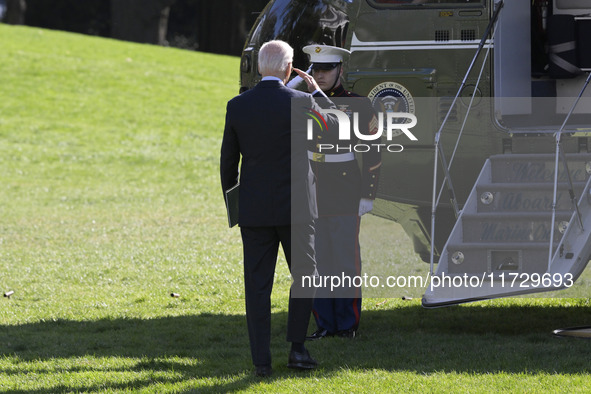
x,y
392,97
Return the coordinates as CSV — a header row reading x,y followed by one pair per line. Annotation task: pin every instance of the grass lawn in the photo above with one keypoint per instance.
x,y
110,201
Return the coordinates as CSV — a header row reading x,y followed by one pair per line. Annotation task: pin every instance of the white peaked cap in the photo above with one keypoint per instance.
x,y
326,53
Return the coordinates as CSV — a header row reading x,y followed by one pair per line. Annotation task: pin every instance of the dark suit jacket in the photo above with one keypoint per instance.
x,y
274,158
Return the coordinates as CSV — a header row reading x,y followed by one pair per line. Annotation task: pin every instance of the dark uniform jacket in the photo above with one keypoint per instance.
x,y
341,185
258,127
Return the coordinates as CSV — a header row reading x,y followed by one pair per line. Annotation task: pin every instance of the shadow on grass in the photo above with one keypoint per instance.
x,y
477,339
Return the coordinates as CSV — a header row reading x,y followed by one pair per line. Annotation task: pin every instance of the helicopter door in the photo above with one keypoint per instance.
x,y
513,60
577,12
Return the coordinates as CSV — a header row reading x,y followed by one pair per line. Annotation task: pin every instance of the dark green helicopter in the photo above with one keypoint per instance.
x,y
495,188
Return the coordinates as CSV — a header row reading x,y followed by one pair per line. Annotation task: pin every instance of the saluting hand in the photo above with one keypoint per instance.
x,y
310,81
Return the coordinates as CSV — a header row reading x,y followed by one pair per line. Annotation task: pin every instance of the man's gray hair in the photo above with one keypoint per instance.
x,y
274,57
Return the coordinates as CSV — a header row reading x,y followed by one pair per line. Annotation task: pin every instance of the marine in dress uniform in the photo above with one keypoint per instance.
x,y
345,191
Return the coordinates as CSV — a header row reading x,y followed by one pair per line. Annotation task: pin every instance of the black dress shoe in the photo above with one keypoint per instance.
x,y
350,333
263,371
302,360
319,334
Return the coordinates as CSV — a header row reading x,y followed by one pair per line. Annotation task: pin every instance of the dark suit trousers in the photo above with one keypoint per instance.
x,y
260,245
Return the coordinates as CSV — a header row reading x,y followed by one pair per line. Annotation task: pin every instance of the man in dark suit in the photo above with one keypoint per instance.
x,y
277,203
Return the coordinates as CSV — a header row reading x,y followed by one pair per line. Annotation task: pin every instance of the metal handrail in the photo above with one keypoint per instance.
x,y
571,190
558,155
453,154
435,200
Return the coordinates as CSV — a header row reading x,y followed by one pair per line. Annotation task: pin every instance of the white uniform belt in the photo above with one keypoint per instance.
x,y
331,157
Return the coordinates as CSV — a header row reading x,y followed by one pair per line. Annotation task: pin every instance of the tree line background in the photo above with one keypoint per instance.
x,y
219,26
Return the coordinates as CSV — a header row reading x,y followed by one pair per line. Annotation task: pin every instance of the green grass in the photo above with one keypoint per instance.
x,y
110,201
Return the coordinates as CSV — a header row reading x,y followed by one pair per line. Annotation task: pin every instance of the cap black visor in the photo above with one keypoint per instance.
x,y
324,66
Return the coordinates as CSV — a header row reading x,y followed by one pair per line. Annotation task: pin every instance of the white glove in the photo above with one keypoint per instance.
x,y
296,81
365,205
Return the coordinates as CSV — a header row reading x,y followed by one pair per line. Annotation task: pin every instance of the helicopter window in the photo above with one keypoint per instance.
x,y
429,3
256,34
303,22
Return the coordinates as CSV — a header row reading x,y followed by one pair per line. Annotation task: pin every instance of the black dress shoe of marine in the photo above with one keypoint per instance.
x,y
350,333
263,371
302,360
319,334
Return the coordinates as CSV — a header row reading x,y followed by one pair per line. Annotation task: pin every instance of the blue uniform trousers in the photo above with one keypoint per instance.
x,y
338,256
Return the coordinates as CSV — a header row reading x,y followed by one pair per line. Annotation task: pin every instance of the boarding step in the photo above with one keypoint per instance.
x,y
504,229
512,227
511,197
496,258
536,168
